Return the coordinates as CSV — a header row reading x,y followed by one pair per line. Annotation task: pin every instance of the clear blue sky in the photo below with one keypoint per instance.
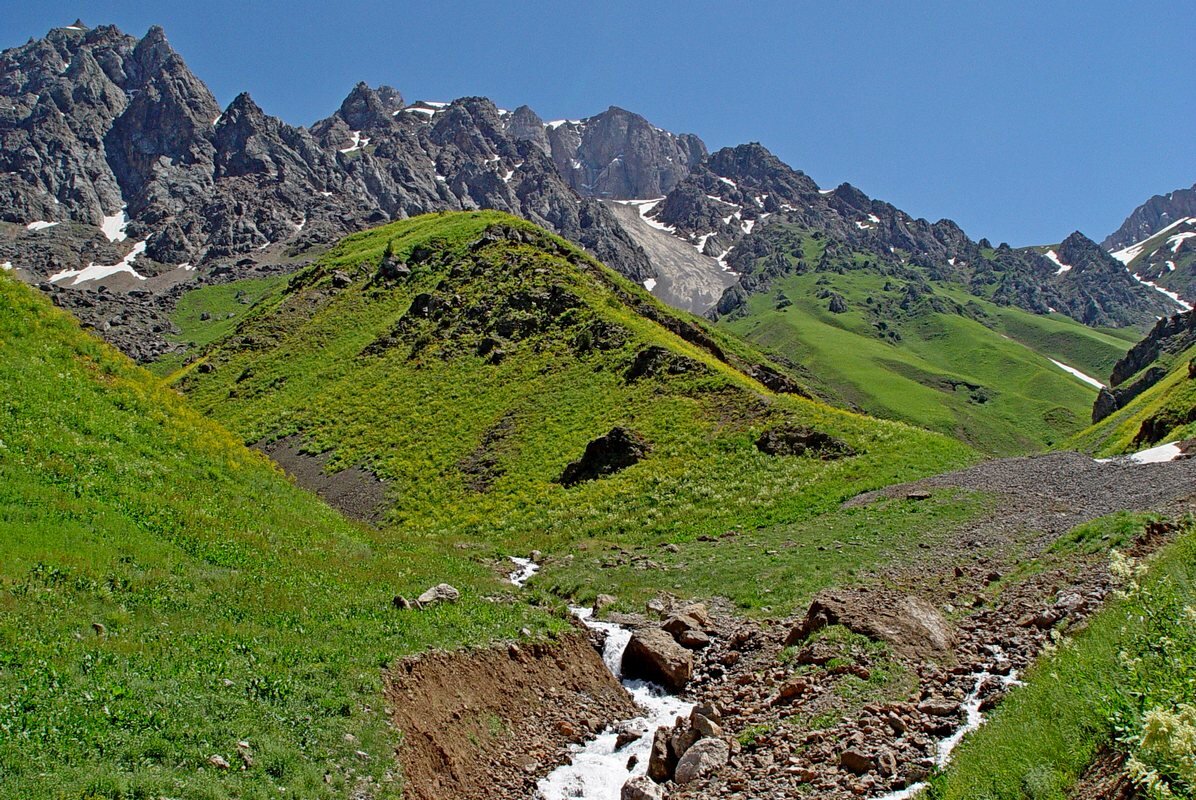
x,y
1020,121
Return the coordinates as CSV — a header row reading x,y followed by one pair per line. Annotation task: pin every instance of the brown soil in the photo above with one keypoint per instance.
x,y
1105,780
485,724
355,492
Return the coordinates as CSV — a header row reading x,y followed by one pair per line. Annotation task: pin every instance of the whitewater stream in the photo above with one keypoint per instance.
x,y
598,771
974,719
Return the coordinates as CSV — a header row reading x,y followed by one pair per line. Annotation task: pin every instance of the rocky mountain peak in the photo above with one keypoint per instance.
x,y
152,54
364,109
620,155
1153,216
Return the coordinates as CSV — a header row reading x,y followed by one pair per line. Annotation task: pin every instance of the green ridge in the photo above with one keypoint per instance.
x,y
234,606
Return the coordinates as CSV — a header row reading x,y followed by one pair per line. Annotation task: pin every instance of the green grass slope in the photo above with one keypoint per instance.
x,y
934,355
166,593
471,382
1130,670
1165,412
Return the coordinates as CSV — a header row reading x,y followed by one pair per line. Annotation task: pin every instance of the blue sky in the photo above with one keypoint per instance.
x,y
1020,121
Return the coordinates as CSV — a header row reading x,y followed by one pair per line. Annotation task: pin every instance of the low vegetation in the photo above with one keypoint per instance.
x,y
166,594
1122,685
931,354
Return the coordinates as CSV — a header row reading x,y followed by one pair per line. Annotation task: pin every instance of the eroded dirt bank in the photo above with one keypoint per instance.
x,y
486,724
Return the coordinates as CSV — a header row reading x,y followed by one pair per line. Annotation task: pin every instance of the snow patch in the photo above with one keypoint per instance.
x,y
358,142
649,283
40,225
728,181
1054,257
1186,306
114,226
1088,379
644,207
1157,455
1178,239
94,272
6,266
1128,254
186,267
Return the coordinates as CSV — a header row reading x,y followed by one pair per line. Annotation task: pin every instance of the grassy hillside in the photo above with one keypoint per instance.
x,y
469,384
1129,672
934,355
1163,413
166,593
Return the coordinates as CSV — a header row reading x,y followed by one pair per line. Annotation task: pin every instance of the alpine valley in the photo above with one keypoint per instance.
x,y
437,450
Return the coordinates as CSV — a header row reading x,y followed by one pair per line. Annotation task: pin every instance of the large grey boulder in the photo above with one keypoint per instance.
x,y
702,760
440,593
641,787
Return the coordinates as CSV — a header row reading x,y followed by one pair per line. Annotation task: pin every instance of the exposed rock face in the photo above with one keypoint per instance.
x,y
653,655
1151,217
1097,289
798,440
100,120
616,154
606,455
912,626
1170,336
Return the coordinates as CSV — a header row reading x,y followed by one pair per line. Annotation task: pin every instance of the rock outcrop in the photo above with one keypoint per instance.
x,y
910,625
1151,217
606,455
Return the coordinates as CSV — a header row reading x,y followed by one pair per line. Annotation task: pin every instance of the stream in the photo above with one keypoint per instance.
x,y
974,719
597,771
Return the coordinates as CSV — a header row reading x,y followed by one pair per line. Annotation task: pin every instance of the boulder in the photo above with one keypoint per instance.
x,y
641,787
661,761
653,655
606,455
798,440
440,593
702,760
603,601
910,625
855,761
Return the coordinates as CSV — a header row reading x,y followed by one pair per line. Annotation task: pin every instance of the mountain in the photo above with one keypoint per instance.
x,y
728,205
891,314
1151,217
492,355
615,155
115,133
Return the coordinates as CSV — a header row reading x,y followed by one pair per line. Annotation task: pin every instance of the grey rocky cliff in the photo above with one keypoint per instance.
x,y
616,155
746,208
95,121
1151,217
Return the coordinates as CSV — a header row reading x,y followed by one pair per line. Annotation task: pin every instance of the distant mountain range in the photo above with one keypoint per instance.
x,y
124,185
